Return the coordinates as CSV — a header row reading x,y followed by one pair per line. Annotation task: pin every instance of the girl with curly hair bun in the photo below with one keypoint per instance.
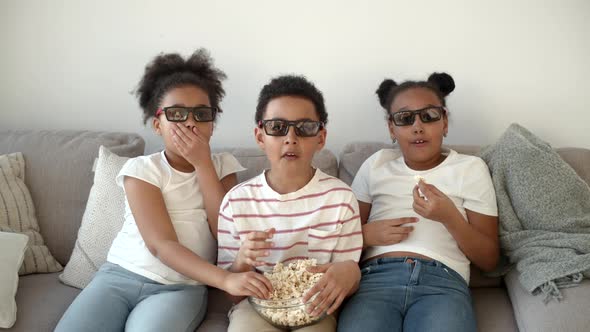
x,y
163,259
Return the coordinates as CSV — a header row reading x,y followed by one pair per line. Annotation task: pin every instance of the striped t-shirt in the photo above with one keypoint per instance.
x,y
320,220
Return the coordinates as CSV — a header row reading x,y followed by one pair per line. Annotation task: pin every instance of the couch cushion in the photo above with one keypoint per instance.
x,y
254,160
102,220
41,301
12,252
59,176
569,314
493,310
17,215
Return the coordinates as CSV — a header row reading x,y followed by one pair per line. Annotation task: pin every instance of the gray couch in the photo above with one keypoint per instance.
x,y
59,176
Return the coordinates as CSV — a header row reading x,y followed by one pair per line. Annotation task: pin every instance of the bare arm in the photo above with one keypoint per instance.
x,y
194,147
364,211
154,224
478,238
213,192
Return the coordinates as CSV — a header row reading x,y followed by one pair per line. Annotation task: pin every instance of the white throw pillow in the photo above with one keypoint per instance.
x,y
12,252
17,215
102,220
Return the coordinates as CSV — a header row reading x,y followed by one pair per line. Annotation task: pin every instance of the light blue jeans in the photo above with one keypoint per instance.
x,y
120,300
408,294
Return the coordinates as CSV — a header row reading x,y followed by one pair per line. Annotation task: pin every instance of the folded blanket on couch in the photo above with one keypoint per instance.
x,y
544,212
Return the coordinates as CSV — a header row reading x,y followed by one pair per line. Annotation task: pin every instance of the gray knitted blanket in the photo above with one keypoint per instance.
x,y
544,212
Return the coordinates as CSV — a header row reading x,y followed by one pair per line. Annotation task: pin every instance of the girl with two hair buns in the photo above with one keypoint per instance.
x,y
428,212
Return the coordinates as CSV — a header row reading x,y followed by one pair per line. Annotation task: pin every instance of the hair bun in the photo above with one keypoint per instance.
x,y
443,81
383,91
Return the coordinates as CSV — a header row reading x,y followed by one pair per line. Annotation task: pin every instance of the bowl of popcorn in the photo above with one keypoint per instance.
x,y
285,308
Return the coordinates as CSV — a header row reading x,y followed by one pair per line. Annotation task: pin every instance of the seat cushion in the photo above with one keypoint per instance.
x,y
41,300
218,306
569,314
493,310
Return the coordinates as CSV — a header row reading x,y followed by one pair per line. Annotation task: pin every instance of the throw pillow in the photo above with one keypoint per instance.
x,y
102,220
17,215
12,250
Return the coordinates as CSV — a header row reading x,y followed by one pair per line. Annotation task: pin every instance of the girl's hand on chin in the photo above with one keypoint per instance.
x,y
191,143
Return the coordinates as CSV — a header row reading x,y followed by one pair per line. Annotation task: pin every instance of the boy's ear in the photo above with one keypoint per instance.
x,y
156,125
446,126
259,137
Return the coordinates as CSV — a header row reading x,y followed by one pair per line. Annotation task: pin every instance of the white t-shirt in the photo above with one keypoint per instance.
x,y
320,220
184,201
385,181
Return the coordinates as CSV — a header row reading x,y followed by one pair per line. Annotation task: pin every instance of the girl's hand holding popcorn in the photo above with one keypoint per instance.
x,y
340,279
435,205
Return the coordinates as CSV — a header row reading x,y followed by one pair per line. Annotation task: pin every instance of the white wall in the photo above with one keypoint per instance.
x,y
72,64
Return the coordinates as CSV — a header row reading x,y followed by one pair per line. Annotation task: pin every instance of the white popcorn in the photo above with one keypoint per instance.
x,y
418,178
290,282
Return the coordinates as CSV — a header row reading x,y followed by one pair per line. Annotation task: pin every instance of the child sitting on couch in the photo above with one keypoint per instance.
x,y
291,211
415,277
160,262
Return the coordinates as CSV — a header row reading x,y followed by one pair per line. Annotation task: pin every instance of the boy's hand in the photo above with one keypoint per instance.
x,y
191,143
386,232
255,245
247,284
338,281
435,205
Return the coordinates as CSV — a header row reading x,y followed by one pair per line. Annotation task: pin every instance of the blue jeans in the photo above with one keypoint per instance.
x,y
408,294
120,300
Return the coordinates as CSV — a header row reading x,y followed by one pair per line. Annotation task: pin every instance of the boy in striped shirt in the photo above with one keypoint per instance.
x,y
291,211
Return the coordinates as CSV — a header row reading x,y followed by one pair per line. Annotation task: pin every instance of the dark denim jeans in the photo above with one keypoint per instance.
x,y
408,294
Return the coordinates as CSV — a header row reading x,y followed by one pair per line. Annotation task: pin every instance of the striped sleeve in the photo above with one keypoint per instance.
x,y
350,241
228,241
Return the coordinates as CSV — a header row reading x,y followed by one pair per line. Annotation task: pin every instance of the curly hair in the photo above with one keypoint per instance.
x,y
440,83
291,85
169,71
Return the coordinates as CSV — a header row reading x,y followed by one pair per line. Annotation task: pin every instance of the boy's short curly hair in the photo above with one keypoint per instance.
x,y
291,85
169,71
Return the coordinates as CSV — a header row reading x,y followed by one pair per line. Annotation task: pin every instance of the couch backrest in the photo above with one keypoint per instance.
x,y
255,161
354,154
58,173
